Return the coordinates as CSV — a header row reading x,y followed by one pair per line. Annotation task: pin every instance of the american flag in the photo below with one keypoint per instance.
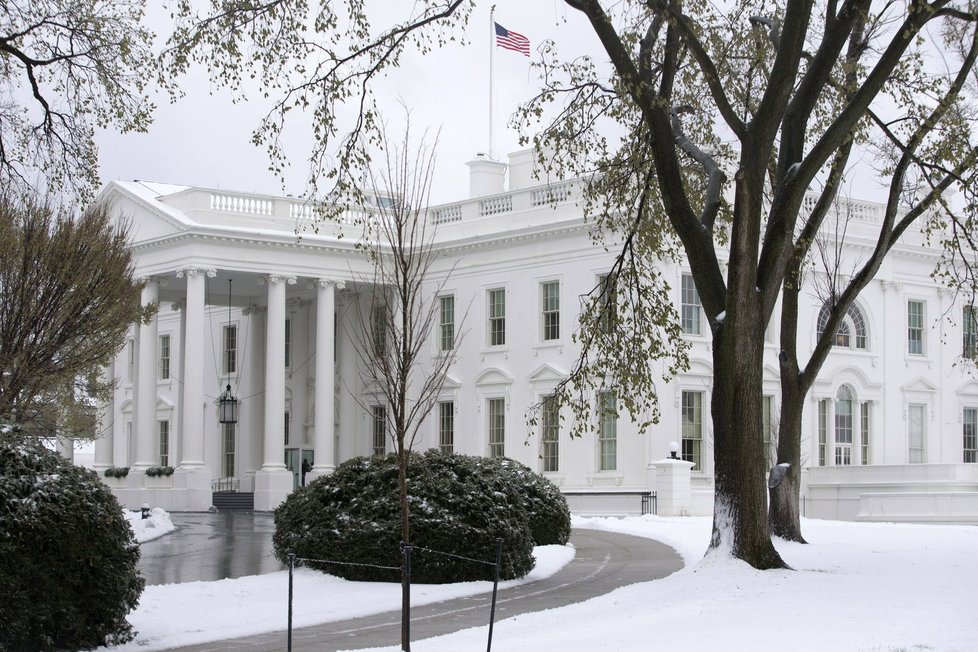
x,y
511,40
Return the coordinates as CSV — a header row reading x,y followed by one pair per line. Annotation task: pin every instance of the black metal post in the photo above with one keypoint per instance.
x,y
495,586
291,556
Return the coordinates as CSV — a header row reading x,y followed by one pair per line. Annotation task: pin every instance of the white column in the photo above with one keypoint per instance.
x,y
325,377
192,426
146,383
274,431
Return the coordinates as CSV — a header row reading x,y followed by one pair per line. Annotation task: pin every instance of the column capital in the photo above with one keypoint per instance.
x,y
327,282
178,306
889,285
272,279
161,281
195,271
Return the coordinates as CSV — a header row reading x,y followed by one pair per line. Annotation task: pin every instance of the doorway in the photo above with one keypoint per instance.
x,y
294,457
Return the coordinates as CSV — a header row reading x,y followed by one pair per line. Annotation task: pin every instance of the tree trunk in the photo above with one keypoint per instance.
x,y
784,517
740,522
402,459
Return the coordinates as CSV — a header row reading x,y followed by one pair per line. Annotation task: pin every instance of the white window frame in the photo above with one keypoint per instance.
x,y
916,454
916,344
228,449
549,435
496,317
163,348
691,429
164,441
446,426
496,426
288,342
550,311
608,430
229,348
608,305
969,332
690,306
969,434
378,430
843,425
446,326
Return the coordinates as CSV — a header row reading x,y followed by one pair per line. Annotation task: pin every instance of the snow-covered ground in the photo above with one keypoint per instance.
x,y
147,529
856,586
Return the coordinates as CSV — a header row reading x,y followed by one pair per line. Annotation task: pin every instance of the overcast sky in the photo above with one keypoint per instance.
x,y
204,139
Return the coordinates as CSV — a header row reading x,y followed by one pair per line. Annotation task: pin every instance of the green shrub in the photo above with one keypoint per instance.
x,y
68,559
157,471
550,521
116,472
458,504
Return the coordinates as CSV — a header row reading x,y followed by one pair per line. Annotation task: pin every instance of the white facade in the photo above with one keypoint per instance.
x,y
892,412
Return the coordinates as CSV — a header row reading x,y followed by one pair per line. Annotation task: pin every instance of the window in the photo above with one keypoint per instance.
x,y
970,331
864,431
230,349
131,364
915,433
690,310
378,328
497,317
287,427
227,449
767,425
288,343
823,430
379,430
446,427
164,443
969,420
608,431
164,349
692,418
915,327
843,426
497,427
608,301
851,332
446,322
550,434
550,310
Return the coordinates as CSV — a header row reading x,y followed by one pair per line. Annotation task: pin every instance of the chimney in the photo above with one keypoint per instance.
x,y
485,176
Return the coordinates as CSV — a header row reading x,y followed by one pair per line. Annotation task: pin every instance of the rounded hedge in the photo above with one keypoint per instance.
x,y
459,505
550,521
68,559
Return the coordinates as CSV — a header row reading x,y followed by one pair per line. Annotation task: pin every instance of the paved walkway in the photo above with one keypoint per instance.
x,y
604,562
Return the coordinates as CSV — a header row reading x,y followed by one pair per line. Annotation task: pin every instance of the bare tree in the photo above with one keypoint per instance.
x,y
398,317
68,66
67,299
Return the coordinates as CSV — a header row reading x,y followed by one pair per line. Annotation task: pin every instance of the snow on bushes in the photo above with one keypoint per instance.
x,y
458,504
68,560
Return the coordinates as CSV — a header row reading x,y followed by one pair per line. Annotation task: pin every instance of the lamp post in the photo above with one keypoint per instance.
x,y
228,404
673,446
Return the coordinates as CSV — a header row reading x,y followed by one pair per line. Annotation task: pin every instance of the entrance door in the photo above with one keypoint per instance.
x,y
294,458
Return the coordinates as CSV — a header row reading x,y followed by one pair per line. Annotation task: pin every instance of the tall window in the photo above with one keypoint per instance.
x,y
446,427
131,363
608,301
767,421
288,343
550,434
379,430
497,317
287,427
915,433
970,431
843,426
550,309
823,430
164,443
692,417
164,349
864,431
915,327
446,322
851,332
227,449
378,328
497,427
608,431
690,310
970,331
230,349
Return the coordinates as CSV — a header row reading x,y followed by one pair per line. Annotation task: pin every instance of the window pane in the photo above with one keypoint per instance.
x,y
608,300
690,312
447,322
608,431
497,427
164,443
446,427
970,332
915,327
823,421
227,450
915,433
230,349
550,299
164,357
970,432
843,427
379,430
692,425
497,317
864,431
550,435
767,418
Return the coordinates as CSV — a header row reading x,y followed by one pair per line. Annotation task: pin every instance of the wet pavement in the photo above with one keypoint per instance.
x,y
211,546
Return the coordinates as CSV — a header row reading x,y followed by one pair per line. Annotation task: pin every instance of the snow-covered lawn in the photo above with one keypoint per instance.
x,y
857,586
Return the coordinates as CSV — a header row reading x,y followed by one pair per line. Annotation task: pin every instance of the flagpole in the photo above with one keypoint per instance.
x,y
492,49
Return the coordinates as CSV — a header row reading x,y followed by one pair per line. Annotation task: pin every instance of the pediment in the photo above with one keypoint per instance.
x,y
494,376
450,382
547,373
139,206
968,388
921,384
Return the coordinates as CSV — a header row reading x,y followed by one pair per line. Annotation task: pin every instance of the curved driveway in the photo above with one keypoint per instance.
x,y
604,561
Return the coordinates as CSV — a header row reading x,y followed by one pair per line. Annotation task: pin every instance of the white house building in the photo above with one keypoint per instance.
x,y
253,298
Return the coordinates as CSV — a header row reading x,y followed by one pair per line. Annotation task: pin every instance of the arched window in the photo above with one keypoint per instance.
x,y
851,333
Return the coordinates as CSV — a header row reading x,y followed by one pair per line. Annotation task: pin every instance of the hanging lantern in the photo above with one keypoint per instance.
x,y
228,404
